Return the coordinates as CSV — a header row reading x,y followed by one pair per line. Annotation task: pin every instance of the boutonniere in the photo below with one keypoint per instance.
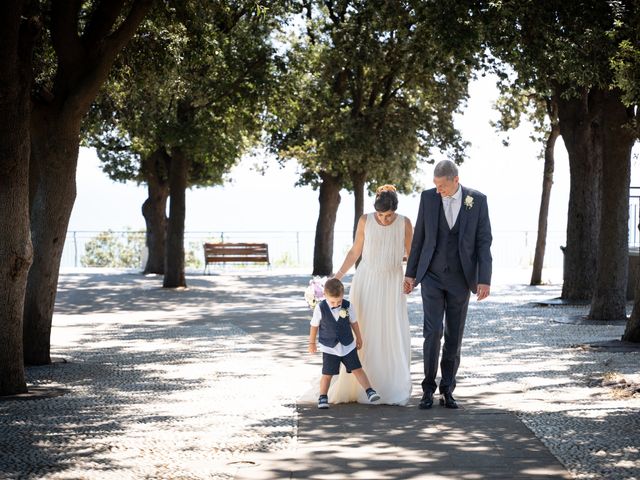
x,y
343,313
468,202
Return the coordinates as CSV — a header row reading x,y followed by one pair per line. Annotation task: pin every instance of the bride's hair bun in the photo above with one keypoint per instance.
x,y
386,199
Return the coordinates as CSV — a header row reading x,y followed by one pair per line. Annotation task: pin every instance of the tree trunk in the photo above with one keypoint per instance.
x,y
358,180
83,64
154,208
15,242
609,298
545,199
174,253
632,330
581,137
329,199
54,158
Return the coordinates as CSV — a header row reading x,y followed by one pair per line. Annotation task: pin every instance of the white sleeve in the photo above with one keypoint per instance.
x,y
352,314
317,315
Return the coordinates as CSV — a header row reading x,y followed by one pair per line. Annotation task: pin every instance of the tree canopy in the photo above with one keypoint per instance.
x,y
196,77
378,86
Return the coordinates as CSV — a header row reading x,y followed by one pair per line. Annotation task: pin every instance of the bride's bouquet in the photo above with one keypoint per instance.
x,y
315,291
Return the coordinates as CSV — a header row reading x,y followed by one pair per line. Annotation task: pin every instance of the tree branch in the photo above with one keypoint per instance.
x,y
126,30
103,18
95,65
64,31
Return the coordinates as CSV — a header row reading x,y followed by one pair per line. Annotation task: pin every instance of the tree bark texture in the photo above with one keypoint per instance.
x,y
54,157
581,135
329,199
16,44
154,209
174,252
610,294
84,62
358,180
545,200
632,330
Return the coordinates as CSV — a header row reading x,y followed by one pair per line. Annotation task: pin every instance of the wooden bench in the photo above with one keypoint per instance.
x,y
235,253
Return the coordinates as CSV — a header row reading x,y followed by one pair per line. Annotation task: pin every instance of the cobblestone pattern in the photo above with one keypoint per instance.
x,y
156,399
516,356
173,389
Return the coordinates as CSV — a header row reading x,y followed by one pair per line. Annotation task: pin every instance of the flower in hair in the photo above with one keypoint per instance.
x,y
385,188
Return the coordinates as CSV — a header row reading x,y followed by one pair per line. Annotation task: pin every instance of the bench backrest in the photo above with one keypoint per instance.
x,y
236,252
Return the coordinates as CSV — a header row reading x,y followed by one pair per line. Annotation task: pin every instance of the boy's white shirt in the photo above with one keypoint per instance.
x,y
340,350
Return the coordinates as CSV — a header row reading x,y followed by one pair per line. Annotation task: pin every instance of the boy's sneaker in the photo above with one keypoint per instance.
x,y
323,401
372,395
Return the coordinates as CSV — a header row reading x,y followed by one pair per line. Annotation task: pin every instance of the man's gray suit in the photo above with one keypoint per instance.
x,y
448,262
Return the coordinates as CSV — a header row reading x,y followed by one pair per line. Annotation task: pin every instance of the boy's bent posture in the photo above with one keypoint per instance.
x,y
334,324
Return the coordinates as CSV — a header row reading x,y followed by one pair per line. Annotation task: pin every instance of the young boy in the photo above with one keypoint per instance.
x,y
334,319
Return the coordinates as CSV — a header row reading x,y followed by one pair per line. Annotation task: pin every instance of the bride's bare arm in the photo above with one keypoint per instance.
x,y
356,250
408,236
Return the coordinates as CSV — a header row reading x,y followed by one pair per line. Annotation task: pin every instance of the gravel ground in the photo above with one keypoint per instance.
x,y
184,384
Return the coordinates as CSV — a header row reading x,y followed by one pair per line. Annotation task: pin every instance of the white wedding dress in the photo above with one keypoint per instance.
x,y
381,311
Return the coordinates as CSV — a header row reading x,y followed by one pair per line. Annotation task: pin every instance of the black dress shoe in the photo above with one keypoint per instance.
x,y
426,401
448,401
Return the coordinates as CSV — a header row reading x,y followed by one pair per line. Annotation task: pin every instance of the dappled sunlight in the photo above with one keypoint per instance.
x,y
349,440
209,376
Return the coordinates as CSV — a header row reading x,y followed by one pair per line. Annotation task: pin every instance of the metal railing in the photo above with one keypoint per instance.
x,y
634,217
295,248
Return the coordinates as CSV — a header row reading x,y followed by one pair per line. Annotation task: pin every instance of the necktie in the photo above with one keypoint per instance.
x,y
448,211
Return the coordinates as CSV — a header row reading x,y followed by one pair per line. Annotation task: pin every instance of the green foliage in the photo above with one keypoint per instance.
x,y
559,46
109,249
193,255
285,260
546,50
372,88
626,63
195,78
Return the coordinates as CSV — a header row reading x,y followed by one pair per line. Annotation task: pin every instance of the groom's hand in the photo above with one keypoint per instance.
x,y
483,291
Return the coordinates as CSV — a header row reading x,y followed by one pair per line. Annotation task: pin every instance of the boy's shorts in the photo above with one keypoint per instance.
x,y
331,363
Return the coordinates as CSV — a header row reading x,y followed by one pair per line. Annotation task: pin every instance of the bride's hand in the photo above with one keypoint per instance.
x,y
407,285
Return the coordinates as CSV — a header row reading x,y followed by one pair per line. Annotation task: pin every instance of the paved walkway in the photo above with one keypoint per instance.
x,y
213,382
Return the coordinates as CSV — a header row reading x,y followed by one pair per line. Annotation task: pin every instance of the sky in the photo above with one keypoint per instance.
x,y
510,176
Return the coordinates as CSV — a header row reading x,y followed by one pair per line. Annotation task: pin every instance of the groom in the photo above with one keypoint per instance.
x,y
450,257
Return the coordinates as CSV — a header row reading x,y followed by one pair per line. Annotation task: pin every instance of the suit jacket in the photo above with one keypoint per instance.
x,y
474,242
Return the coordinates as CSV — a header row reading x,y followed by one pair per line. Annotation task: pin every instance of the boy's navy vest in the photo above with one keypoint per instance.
x,y
332,331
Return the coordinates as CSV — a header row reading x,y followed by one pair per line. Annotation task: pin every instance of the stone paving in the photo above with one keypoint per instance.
x,y
187,384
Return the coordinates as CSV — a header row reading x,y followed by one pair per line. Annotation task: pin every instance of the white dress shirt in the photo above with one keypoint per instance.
x,y
453,203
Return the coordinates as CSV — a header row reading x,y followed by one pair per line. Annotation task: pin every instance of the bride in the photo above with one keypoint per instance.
x,y
383,238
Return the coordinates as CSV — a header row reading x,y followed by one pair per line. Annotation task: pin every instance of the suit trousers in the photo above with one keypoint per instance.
x,y
445,300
